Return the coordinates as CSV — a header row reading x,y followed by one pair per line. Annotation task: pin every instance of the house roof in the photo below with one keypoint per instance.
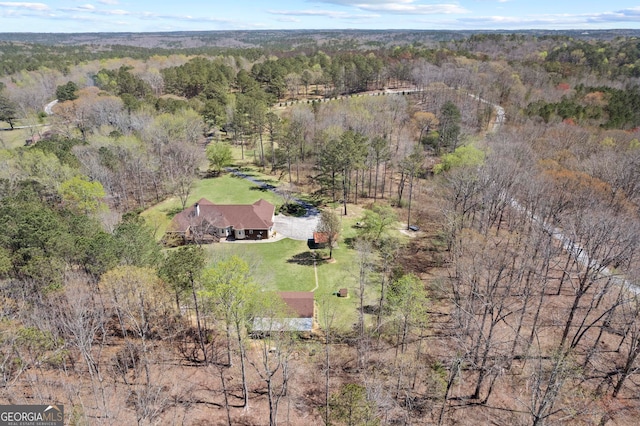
x,y
285,324
322,237
301,306
300,302
258,215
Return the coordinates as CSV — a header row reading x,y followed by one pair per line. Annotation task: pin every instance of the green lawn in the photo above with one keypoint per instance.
x,y
12,138
228,189
331,278
225,189
287,265
275,262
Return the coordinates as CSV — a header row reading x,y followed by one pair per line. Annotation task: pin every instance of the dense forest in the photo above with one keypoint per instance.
x,y
480,193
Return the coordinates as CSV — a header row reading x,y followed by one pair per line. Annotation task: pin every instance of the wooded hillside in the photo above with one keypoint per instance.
x,y
482,191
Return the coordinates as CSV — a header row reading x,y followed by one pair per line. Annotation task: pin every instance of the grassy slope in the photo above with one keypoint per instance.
x,y
225,189
282,265
278,268
277,262
12,138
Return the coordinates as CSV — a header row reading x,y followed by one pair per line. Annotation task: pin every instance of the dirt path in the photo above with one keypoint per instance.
x,y
315,271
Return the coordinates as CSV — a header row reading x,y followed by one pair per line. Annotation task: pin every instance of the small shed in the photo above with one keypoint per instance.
x,y
343,292
321,240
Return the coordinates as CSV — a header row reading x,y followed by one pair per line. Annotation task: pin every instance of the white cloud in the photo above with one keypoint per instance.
x,y
184,18
412,9
30,6
326,13
624,15
553,20
400,6
109,2
550,21
625,18
360,2
115,12
288,19
88,8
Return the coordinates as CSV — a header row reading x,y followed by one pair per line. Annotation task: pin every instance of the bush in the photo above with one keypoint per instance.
x,y
398,203
292,209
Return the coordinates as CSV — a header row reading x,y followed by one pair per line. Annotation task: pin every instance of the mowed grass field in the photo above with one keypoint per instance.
x,y
10,139
284,265
225,189
287,265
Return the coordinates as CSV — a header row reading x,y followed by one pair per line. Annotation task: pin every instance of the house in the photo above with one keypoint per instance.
x,y
302,310
208,222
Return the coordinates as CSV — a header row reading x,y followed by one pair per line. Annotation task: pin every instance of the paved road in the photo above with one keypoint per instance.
x,y
296,228
48,108
576,250
570,246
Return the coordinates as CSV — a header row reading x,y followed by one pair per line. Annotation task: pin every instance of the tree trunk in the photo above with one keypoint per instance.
x,y
381,300
355,201
344,191
375,184
453,373
243,372
273,155
228,332
410,194
262,161
225,393
272,413
628,368
326,379
200,331
569,322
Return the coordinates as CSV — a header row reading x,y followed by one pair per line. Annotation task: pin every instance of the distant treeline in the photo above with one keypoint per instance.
x,y
602,52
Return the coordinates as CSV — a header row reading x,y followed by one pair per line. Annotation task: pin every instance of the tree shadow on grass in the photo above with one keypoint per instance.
x,y
173,211
292,209
267,181
350,242
306,258
262,188
370,309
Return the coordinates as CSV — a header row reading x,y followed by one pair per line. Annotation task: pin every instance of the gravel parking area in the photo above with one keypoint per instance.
x,y
296,228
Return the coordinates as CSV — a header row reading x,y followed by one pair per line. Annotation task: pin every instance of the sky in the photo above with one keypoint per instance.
x,y
72,16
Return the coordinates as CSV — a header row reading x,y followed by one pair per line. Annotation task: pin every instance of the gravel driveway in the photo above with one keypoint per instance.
x,y
296,228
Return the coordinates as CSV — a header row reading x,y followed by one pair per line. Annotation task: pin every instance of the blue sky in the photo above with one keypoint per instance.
x,y
162,15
